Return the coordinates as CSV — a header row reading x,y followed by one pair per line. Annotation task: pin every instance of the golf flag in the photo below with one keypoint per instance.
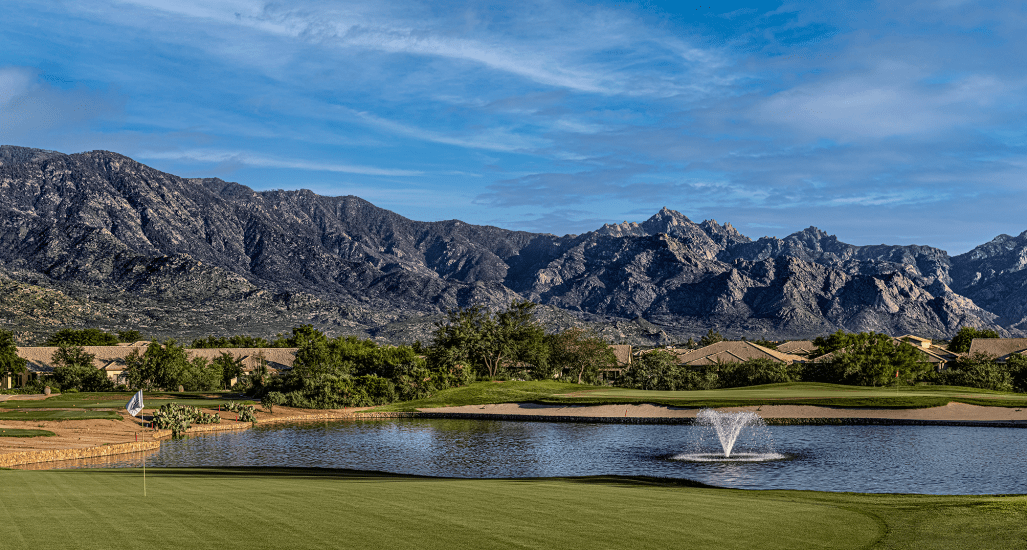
x,y
135,404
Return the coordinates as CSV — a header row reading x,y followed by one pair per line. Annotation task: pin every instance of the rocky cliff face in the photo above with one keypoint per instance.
x,y
189,257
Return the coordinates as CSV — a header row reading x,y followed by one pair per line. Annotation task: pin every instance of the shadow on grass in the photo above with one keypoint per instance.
x,y
261,472
377,476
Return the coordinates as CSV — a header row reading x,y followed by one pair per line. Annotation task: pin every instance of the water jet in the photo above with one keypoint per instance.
x,y
717,434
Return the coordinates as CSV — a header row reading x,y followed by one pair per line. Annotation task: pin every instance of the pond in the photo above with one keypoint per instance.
x,y
873,459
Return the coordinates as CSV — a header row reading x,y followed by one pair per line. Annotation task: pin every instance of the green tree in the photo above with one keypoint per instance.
x,y
757,371
832,343
313,358
199,374
129,336
712,337
160,367
230,368
583,353
960,343
299,335
10,362
489,341
74,369
872,359
1016,365
979,370
82,337
237,341
655,370
271,399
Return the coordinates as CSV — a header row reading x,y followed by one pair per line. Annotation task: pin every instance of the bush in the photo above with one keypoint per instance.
x,y
271,399
246,412
756,371
960,343
977,371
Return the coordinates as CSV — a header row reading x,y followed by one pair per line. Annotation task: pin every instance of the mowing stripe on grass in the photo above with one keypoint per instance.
x,y
59,415
18,432
301,508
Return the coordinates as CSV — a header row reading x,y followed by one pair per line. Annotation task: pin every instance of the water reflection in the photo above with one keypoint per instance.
x,y
939,460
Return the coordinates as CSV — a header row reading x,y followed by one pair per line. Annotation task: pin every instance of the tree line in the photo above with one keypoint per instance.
x,y
477,343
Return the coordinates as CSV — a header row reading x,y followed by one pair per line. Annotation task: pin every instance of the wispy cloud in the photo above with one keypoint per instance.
x,y
30,106
255,159
551,114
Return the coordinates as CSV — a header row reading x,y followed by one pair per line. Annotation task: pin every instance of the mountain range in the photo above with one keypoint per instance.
x,y
97,239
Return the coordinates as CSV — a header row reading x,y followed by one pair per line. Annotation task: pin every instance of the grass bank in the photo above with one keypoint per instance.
x,y
284,508
795,393
59,415
19,432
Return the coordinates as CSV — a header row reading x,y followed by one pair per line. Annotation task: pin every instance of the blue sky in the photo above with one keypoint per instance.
x,y
892,122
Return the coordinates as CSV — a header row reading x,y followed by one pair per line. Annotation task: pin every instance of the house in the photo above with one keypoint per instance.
x,y
111,359
798,347
623,354
938,356
732,352
999,348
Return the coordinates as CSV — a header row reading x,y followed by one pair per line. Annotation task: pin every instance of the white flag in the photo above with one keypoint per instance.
x,y
135,404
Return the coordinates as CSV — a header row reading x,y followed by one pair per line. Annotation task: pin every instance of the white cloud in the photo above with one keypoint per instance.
x,y
256,159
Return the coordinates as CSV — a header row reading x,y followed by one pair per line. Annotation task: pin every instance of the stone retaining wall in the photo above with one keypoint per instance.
x,y
28,457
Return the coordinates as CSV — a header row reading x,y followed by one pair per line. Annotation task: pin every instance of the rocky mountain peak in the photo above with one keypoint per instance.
x,y
100,223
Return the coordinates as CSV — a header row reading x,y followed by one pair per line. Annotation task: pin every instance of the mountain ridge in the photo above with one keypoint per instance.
x,y
99,222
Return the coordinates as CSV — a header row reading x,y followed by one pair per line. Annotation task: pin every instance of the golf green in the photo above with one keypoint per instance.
x,y
299,508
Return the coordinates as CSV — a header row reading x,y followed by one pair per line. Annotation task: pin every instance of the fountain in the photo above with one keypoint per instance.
x,y
727,428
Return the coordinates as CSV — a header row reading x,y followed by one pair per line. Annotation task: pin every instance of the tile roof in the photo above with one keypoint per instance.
x,y
623,353
1000,348
732,352
797,347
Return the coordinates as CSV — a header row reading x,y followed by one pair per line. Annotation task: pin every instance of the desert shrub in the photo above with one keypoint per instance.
x,y
178,418
271,399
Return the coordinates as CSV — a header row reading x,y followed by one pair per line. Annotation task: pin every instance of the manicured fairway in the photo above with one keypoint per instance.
x,y
18,432
796,393
250,508
59,415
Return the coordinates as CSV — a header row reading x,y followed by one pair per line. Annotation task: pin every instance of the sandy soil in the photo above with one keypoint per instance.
x,y
952,411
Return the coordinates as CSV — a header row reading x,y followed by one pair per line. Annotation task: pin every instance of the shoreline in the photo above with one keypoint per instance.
x,y
81,439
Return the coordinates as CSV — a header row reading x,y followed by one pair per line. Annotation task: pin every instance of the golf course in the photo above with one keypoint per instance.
x,y
250,507
284,508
